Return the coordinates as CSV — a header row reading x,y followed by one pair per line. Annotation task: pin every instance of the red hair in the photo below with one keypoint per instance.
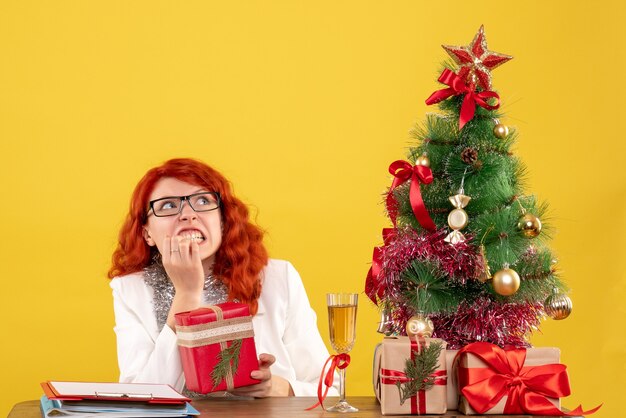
x,y
241,256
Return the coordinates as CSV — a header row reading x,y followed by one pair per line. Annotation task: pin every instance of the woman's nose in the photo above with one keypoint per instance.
x,y
186,211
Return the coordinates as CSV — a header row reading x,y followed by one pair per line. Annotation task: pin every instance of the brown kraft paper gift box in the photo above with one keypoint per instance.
x,y
389,363
451,387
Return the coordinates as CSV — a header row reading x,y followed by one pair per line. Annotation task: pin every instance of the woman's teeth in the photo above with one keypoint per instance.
x,y
194,236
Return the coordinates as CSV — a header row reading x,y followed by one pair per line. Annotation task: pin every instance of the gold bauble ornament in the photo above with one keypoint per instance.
x,y
529,225
558,305
501,131
506,281
419,326
423,160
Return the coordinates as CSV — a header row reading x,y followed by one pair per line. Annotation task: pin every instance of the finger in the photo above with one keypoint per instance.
x,y
183,246
195,253
263,374
258,390
266,360
175,250
167,249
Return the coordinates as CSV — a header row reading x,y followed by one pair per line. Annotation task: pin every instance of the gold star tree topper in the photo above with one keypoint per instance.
x,y
476,61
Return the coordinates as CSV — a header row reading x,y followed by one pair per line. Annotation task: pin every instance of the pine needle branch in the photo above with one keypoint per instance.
x,y
420,371
224,359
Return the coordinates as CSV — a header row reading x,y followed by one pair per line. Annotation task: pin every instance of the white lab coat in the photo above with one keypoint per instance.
x,y
284,326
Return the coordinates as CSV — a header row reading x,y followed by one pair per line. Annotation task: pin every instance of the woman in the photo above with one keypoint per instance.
x,y
187,242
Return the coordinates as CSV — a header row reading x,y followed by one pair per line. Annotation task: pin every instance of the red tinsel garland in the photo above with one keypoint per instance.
x,y
461,262
503,324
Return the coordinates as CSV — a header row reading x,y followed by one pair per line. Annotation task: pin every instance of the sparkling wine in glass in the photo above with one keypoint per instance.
x,y
342,326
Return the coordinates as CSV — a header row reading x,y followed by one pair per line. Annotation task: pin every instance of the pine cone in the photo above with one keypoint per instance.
x,y
469,156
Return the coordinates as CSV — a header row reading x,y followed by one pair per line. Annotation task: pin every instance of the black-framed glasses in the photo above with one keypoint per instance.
x,y
173,205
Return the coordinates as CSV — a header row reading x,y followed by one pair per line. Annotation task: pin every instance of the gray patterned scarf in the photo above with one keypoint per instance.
x,y
215,290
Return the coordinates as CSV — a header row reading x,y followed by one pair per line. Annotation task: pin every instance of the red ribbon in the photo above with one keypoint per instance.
x,y
337,361
390,377
416,348
402,171
526,388
472,98
373,288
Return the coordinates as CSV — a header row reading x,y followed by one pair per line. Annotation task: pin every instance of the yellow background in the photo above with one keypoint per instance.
x,y
302,105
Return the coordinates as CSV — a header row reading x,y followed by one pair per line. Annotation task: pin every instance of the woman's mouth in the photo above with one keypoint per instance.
x,y
192,236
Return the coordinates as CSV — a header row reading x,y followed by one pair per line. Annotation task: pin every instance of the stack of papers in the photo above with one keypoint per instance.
x,y
104,400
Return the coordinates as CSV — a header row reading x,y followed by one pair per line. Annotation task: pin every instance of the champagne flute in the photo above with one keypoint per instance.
x,y
342,325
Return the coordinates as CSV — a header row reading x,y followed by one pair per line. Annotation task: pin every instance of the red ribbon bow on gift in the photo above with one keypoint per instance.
x,y
527,388
402,171
472,98
337,361
373,286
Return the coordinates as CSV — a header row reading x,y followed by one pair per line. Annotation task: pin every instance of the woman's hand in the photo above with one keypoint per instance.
x,y
269,385
182,263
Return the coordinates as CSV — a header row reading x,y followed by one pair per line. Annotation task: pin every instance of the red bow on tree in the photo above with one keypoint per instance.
x,y
403,171
373,285
472,98
527,388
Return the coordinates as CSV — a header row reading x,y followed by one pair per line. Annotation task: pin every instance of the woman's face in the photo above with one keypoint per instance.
x,y
203,227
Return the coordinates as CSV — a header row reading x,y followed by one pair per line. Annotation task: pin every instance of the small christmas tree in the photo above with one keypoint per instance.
x,y
466,258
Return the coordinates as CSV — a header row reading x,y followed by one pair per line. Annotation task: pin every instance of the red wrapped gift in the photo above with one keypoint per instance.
x,y
492,380
392,383
216,346
534,357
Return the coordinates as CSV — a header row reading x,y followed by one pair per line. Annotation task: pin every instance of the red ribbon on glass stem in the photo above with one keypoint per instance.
x,y
403,171
527,388
472,98
337,361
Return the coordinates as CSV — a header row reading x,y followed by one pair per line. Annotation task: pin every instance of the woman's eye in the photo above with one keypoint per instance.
x,y
203,201
167,204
